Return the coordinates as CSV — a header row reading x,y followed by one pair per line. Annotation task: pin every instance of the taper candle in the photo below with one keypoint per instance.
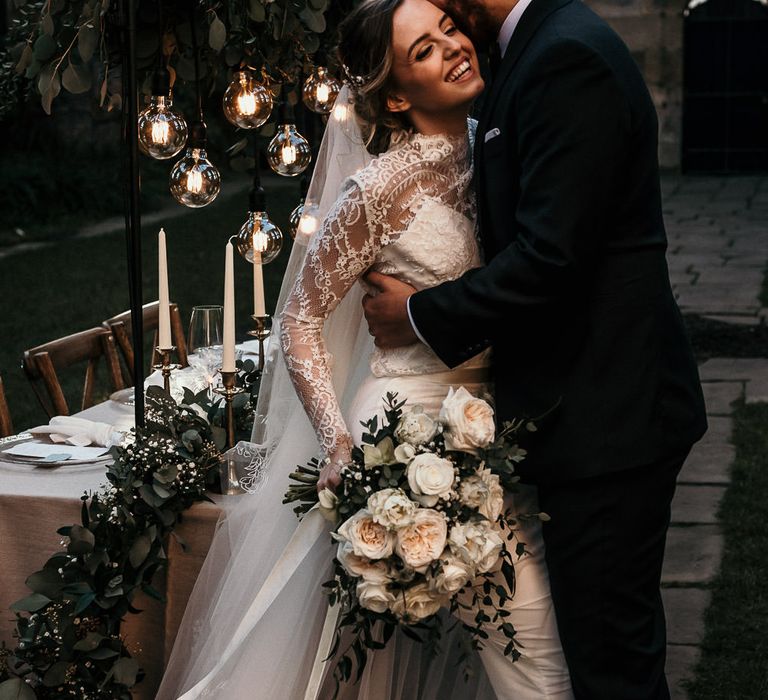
x,y
164,327
259,308
228,358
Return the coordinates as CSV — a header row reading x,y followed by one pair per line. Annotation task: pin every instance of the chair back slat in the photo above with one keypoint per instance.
x,y
120,326
42,364
6,425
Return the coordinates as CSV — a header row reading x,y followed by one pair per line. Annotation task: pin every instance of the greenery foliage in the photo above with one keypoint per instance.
x,y
74,45
68,628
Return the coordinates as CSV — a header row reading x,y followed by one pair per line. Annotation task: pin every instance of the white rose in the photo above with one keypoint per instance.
x,y
368,538
391,508
416,427
468,421
476,543
327,501
405,453
484,492
373,571
453,575
374,596
421,542
430,478
416,603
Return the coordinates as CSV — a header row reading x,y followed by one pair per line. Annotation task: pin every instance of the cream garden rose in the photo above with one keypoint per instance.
x,y
430,478
468,421
417,602
374,596
367,537
484,492
375,571
421,542
391,508
327,501
476,543
416,427
453,574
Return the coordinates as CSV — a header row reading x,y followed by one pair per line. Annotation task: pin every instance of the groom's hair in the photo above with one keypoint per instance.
x,y
365,54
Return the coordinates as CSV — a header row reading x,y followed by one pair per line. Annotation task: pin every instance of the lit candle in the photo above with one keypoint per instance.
x,y
228,355
164,324
259,308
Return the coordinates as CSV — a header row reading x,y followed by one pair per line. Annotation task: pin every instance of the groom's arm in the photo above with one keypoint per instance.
x,y
572,121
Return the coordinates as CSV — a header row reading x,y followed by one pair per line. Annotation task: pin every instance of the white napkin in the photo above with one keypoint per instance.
x,y
56,452
81,432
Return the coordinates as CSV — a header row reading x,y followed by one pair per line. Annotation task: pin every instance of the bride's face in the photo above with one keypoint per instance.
x,y
435,69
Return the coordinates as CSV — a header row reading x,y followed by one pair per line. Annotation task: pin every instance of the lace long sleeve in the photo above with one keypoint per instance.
x,y
339,253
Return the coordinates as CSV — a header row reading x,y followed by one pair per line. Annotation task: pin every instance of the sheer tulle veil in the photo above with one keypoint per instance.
x,y
260,581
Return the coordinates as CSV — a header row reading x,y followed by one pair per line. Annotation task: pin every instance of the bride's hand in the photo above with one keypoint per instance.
x,y
330,476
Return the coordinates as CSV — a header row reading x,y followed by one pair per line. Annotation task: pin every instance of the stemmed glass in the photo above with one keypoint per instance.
x,y
205,342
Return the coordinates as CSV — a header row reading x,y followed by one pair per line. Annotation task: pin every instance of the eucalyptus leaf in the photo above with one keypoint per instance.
x,y
44,47
217,34
16,689
31,603
90,642
47,582
56,674
81,540
139,550
125,671
47,25
257,11
103,653
76,79
87,41
314,20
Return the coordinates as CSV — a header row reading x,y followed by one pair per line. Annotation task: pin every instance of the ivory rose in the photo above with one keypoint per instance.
x,y
453,575
374,596
374,571
421,542
468,421
391,508
416,603
327,501
484,492
416,427
476,543
430,478
368,538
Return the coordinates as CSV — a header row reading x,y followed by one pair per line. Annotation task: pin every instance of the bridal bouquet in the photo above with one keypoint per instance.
x,y
421,525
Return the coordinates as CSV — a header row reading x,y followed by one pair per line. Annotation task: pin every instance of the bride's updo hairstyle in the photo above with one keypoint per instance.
x,y
366,57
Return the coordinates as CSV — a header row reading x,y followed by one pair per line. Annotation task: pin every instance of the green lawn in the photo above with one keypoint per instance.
x,y
75,284
734,660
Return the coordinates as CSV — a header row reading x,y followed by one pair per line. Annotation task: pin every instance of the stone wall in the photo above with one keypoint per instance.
x,y
653,30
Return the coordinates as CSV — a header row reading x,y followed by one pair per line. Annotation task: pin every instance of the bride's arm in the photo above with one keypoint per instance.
x,y
339,253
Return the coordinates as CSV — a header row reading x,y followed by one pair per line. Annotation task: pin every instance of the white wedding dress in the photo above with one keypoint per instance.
x,y
256,624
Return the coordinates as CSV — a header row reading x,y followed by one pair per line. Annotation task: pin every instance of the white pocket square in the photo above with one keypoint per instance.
x,y
492,134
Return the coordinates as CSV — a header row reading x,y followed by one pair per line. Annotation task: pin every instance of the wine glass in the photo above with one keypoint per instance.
x,y
205,327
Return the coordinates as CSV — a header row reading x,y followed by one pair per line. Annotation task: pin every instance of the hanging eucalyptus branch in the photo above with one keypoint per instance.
x,y
74,44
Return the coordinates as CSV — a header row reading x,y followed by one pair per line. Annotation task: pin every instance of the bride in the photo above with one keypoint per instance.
x,y
257,624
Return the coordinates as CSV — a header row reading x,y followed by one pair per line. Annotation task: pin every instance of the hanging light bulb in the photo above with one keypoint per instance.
x,y
162,130
304,220
289,153
320,91
195,181
259,234
246,102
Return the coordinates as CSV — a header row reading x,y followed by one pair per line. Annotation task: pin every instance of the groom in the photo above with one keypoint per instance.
x,y
576,302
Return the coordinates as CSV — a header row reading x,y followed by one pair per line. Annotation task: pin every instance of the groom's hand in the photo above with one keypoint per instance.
x,y
387,311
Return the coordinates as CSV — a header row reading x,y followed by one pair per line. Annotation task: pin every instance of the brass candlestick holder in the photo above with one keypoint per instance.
x,y
166,366
230,483
261,333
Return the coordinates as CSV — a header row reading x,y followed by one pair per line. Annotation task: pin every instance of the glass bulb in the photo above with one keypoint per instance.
x,y
304,220
289,153
195,181
260,234
320,91
162,130
246,102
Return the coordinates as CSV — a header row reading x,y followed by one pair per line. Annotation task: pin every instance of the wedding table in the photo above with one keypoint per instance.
x,y
35,501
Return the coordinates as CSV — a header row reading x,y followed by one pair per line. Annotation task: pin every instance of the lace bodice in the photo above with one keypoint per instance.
x,y
410,214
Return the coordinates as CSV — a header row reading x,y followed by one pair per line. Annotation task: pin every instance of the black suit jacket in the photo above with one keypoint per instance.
x,y
575,296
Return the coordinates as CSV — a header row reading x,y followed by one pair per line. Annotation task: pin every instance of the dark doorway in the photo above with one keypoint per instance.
x,y
725,94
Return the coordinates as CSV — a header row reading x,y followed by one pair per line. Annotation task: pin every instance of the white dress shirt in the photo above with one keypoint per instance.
x,y
505,36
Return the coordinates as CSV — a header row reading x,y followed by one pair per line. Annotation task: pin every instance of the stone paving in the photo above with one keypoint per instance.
x,y
718,234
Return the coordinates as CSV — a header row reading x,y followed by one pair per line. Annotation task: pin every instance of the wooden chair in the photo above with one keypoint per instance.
x,y
41,363
120,326
6,426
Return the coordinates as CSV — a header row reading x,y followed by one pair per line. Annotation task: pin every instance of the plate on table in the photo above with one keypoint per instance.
x,y
126,397
39,452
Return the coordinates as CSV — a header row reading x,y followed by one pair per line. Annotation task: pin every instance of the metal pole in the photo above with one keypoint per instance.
x,y
130,139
